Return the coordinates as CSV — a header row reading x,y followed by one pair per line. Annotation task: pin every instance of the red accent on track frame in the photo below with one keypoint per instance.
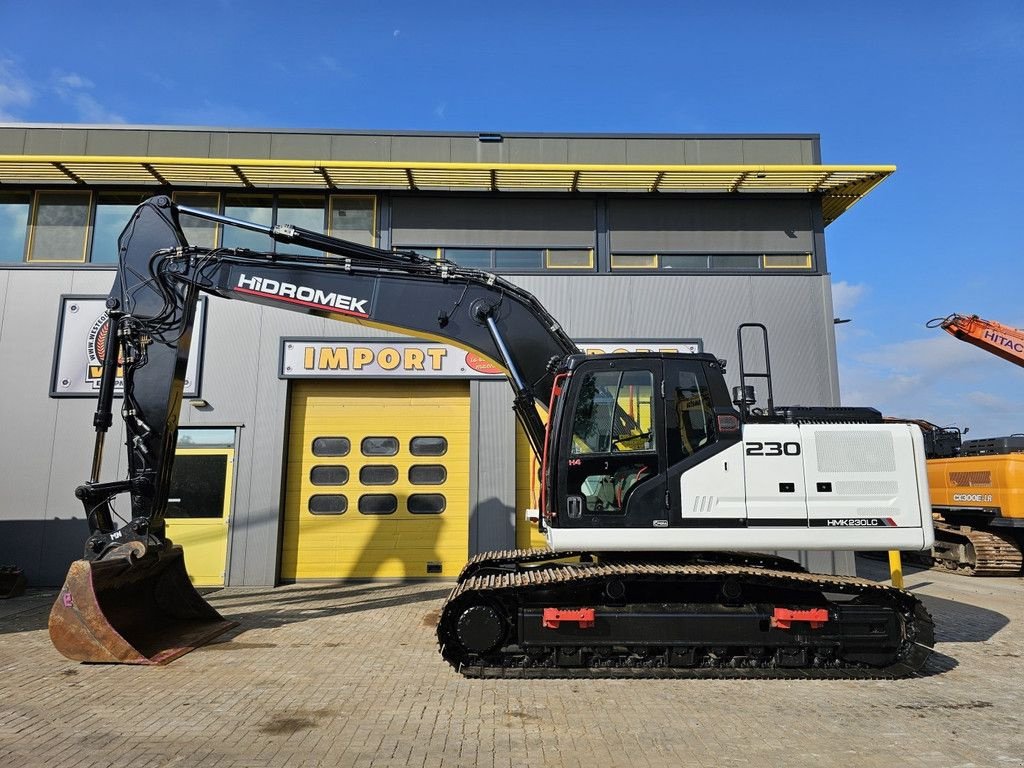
x,y
555,616
783,618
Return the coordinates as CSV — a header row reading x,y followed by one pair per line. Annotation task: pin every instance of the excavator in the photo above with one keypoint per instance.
x,y
660,494
977,486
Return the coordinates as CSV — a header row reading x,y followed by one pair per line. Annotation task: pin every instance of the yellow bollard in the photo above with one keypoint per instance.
x,y
895,568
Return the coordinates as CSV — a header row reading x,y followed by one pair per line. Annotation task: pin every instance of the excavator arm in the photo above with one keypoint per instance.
x,y
1002,340
151,310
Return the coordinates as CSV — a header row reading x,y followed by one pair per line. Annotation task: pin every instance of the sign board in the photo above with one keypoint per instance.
x,y
333,358
82,343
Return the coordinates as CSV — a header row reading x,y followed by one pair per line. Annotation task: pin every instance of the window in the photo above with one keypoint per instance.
x,y
427,474
634,261
613,413
787,261
693,409
378,504
206,437
426,503
196,488
326,474
518,259
569,258
113,210
199,232
331,446
474,258
428,446
712,262
383,474
379,446
327,504
301,211
354,218
735,262
14,209
684,261
60,226
258,209
506,258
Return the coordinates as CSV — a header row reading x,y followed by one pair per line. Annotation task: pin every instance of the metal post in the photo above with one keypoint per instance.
x,y
895,569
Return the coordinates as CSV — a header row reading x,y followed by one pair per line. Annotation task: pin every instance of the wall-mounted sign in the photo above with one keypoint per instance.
x,y
333,358
82,347
329,358
605,346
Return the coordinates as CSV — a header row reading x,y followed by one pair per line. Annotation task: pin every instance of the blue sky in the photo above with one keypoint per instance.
x,y
936,88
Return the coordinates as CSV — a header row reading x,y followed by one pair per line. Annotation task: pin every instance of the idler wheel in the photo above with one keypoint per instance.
x,y
480,629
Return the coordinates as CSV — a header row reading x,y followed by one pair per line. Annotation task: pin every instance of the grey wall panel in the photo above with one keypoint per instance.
x,y
114,141
478,221
493,485
714,151
655,151
706,307
5,277
421,148
540,150
773,151
12,140
361,148
28,414
695,225
597,151
240,144
67,141
179,143
300,146
469,149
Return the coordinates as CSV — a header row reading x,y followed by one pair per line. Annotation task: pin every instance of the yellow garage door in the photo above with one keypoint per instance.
x,y
527,493
377,480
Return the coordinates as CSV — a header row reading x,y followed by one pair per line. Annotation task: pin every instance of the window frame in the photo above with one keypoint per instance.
x,y
34,223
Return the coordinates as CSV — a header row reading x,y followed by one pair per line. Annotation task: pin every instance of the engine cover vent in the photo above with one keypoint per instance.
x,y
855,451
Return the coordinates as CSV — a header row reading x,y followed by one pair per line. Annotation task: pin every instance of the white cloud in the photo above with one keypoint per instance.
x,y
73,81
846,296
440,109
396,33
940,379
76,91
15,91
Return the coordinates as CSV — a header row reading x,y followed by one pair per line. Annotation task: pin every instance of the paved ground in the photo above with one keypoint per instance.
x,y
340,675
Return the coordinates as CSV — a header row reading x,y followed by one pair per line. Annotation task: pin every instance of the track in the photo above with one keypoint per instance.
x,y
653,618
975,552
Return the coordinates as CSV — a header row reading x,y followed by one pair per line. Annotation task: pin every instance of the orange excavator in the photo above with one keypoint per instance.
x,y
977,486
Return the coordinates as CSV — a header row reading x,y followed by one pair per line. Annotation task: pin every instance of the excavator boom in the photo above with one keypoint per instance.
x,y
129,599
1002,340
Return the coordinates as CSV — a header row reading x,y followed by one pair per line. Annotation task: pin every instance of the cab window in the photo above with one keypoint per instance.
x,y
694,412
614,414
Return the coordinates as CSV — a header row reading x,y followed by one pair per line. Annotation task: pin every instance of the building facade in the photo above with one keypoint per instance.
x,y
313,449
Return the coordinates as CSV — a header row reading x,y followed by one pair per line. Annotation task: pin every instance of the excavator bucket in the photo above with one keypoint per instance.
x,y
127,609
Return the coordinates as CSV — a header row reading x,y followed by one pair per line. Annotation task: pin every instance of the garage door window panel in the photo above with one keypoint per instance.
x,y
331,446
428,446
328,504
327,474
383,474
427,474
426,503
379,446
378,504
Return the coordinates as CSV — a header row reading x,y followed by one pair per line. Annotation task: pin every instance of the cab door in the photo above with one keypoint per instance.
x,y
705,474
611,470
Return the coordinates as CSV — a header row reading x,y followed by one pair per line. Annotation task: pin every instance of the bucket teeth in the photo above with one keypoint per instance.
x,y
128,610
